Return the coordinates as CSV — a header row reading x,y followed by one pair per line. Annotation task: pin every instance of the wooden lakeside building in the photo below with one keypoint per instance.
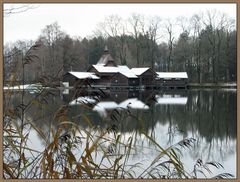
x,y
106,74
172,79
114,76
74,79
146,76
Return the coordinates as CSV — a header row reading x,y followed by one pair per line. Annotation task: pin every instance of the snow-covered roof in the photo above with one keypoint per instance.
x,y
127,72
172,75
165,99
101,107
83,100
105,105
105,69
133,103
139,71
84,75
112,69
106,57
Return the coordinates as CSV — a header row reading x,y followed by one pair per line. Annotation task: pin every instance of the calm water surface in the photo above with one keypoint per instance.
x,y
209,116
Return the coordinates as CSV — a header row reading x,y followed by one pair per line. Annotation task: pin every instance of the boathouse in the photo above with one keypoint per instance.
x,y
114,76
111,74
172,79
107,74
76,79
146,76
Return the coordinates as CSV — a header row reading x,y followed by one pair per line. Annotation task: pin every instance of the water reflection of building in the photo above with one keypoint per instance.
x,y
211,114
133,103
171,99
123,100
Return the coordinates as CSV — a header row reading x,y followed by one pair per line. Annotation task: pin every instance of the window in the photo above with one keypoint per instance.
x,y
65,84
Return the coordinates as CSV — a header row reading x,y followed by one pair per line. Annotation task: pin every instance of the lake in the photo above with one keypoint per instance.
x,y
168,116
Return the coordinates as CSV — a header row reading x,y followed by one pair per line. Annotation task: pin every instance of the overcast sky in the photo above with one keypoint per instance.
x,y
81,19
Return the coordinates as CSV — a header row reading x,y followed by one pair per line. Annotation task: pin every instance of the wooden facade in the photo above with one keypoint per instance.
x,y
172,83
147,78
119,79
70,79
176,83
104,77
133,82
75,82
118,96
113,79
111,75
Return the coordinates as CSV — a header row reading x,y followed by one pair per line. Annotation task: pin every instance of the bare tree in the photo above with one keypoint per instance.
x,y
230,26
168,25
183,22
15,9
215,22
196,26
153,31
51,36
113,26
137,24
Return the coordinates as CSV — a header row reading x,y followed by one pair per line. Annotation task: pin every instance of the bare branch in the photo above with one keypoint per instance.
x,y
18,9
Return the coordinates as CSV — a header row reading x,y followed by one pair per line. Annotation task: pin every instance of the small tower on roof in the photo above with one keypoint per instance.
x,y
106,49
106,59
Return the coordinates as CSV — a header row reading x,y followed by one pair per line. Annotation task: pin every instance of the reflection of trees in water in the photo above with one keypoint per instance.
x,y
39,107
207,114
211,118
210,114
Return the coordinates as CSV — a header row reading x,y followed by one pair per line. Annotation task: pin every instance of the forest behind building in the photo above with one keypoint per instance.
x,y
203,45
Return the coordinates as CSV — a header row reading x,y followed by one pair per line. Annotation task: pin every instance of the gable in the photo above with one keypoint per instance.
x,y
92,69
149,72
119,76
